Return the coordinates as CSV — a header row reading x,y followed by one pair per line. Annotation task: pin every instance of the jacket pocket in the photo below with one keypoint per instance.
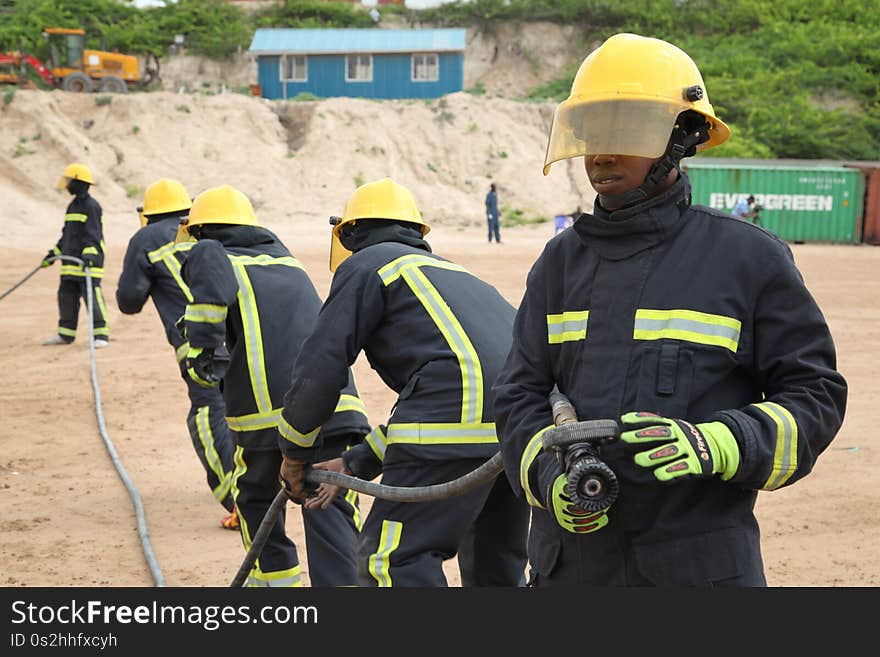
x,y
665,377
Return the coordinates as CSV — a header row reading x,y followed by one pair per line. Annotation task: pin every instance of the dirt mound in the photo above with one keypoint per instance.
x,y
298,161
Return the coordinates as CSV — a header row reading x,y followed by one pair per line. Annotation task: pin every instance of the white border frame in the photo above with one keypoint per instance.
x,y
281,67
348,79
412,66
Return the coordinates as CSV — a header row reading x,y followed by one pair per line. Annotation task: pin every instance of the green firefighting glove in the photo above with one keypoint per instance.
x,y
89,259
207,366
681,449
568,516
46,262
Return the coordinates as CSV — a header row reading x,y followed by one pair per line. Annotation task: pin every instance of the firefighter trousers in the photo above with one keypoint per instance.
x,y
70,290
211,439
331,534
406,543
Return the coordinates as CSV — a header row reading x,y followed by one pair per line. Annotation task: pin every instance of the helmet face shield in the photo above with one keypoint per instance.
x,y
612,127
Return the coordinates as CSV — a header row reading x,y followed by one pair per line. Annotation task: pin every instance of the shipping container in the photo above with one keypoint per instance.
x,y
871,214
801,201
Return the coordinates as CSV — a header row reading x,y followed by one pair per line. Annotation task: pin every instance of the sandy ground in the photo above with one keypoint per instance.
x,y
67,520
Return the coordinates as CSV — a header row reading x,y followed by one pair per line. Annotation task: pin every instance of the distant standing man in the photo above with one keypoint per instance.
x,y
492,213
151,269
82,237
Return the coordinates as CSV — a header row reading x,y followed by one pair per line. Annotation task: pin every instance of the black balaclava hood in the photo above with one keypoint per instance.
x,y
360,234
77,187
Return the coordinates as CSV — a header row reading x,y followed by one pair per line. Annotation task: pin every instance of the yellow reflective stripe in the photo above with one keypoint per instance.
x,y
263,260
98,332
102,308
530,453
437,433
77,270
389,540
688,325
294,436
394,269
452,330
75,216
281,578
66,331
254,421
240,467
56,250
785,452
90,250
207,313
206,437
568,326
253,339
352,498
182,351
376,440
165,254
350,403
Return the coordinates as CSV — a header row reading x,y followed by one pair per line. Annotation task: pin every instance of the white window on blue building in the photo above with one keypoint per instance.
x,y
358,68
294,68
425,68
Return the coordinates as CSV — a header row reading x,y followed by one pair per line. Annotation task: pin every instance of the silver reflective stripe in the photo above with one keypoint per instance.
x,y
376,440
254,421
442,433
567,327
283,578
253,339
212,458
261,260
471,370
379,564
390,272
207,313
688,325
785,451
165,254
299,439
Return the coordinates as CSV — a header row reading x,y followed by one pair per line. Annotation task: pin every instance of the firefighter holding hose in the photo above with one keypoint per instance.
x,y
437,335
696,332
252,306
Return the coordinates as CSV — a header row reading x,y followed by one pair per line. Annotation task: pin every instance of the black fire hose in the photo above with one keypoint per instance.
x,y
474,479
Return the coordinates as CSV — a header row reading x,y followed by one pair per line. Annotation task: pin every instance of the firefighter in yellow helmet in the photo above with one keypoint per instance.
x,y
81,237
252,304
437,335
151,270
693,330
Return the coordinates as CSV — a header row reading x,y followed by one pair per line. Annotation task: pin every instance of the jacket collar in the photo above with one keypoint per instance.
x,y
625,232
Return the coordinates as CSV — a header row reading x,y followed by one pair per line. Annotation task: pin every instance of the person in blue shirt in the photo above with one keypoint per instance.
x,y
743,208
492,213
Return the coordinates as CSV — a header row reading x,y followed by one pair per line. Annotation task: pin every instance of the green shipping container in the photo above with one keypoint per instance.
x,y
801,202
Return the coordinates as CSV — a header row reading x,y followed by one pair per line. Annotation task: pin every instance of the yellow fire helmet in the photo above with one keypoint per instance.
x,y
380,199
625,99
76,171
218,205
164,196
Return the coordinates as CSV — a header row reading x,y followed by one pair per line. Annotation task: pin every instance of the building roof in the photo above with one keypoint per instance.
x,y
275,41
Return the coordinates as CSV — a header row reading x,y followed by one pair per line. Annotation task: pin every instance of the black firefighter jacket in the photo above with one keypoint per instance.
x,y
436,334
686,312
152,268
250,292
83,234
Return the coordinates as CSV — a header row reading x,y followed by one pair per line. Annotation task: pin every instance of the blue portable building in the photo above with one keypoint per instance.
x,y
364,63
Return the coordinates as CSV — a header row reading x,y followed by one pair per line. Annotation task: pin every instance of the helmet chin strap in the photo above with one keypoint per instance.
x,y
682,143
